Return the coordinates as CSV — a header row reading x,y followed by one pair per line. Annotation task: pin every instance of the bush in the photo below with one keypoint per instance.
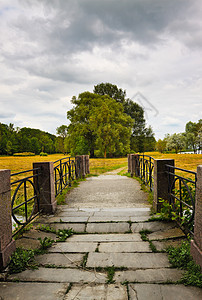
x,y
43,154
24,154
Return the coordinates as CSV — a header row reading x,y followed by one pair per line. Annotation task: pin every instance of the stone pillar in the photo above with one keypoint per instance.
x,y
196,243
129,163
78,166
83,163
45,185
136,165
7,245
87,164
132,164
161,182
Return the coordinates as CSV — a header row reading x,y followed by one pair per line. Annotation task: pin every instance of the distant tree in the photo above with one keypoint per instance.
x,y
161,145
59,143
9,147
149,139
193,135
176,142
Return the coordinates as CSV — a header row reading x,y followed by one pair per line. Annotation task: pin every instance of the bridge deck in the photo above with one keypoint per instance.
x,y
106,213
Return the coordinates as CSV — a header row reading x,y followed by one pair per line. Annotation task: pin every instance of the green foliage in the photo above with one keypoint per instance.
x,y
43,154
84,261
24,154
63,234
45,243
45,228
110,274
21,259
144,234
175,142
98,122
19,140
180,258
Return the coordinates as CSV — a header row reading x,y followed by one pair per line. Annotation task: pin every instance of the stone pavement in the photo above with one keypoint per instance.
x,y
105,259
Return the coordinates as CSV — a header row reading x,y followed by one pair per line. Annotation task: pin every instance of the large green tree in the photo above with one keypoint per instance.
x,y
98,122
139,137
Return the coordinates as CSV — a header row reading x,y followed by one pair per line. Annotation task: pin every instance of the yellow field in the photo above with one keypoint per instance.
x,y
18,164
184,161
99,165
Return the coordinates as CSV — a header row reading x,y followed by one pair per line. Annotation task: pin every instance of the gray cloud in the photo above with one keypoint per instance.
x,y
51,50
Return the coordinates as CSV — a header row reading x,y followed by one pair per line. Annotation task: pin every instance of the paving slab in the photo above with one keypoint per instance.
x,y
60,275
122,247
77,219
32,291
75,247
121,213
107,227
162,245
98,292
128,260
35,234
72,260
149,275
139,218
163,292
153,226
166,234
127,237
77,227
109,219
27,243
74,214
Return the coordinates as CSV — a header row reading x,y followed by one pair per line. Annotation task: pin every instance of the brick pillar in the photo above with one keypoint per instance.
x,y
132,164
136,163
45,188
161,182
7,245
196,243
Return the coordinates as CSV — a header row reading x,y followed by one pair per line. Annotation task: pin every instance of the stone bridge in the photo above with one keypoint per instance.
x,y
106,257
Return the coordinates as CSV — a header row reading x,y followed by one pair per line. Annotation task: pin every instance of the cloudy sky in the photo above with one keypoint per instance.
x,y
51,50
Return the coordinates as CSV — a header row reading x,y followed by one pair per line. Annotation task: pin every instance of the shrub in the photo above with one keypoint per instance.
x,y
24,154
43,154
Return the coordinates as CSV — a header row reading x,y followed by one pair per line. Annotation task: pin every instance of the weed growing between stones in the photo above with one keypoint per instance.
x,y
110,274
63,234
144,237
84,261
46,228
180,257
45,243
22,259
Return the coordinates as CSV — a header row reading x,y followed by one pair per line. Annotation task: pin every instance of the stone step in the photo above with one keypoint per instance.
x,y
60,276
128,260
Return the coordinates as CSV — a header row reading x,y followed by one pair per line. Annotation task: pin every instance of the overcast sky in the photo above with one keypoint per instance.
x,y
51,50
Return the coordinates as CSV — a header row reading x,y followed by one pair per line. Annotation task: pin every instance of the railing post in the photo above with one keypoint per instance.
x,y
7,245
196,243
161,188
45,187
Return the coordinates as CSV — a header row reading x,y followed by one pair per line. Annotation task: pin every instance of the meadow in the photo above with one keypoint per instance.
x,y
99,165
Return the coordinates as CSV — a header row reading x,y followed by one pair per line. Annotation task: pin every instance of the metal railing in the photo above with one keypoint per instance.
x,y
64,172
181,192
25,198
145,170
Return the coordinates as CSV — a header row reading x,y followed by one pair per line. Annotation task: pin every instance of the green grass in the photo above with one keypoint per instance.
x,y
181,258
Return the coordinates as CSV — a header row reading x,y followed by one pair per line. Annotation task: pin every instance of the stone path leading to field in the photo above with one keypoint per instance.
x,y
106,213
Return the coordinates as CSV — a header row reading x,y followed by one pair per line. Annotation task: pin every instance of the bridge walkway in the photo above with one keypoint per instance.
x,y
106,257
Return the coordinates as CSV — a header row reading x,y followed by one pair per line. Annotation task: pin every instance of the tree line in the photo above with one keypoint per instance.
x,y
105,123
18,140
190,140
